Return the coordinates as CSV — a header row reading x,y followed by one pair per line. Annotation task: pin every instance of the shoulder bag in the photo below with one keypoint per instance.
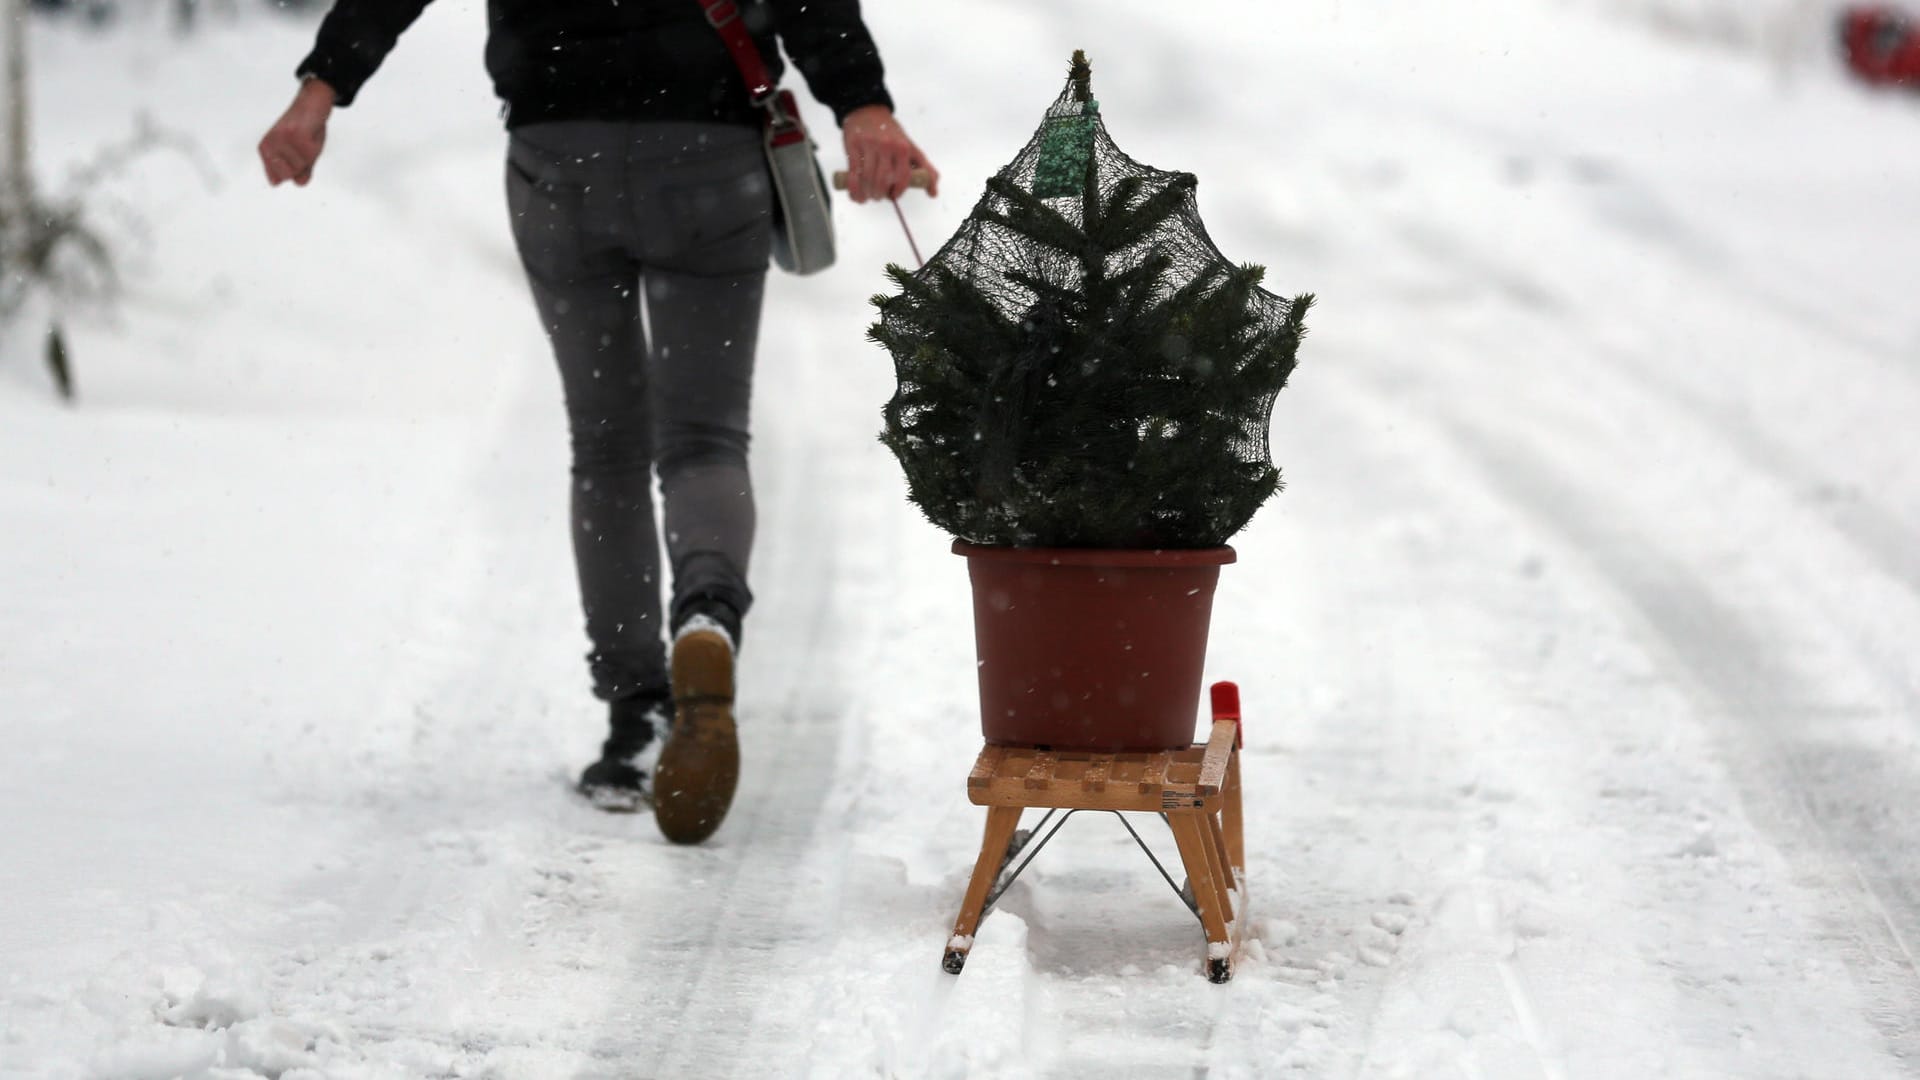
x,y
802,217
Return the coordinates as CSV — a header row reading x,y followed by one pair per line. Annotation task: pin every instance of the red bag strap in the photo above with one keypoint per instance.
x,y
724,16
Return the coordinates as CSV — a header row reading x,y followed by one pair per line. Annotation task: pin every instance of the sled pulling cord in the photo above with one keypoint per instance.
x,y
919,178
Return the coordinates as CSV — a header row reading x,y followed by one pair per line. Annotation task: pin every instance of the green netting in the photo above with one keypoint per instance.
x,y
1078,365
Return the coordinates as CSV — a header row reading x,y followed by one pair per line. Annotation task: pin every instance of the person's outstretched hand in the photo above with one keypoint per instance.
x,y
293,144
880,157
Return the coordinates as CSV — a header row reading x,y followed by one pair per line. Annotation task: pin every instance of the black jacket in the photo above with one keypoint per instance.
x,y
621,59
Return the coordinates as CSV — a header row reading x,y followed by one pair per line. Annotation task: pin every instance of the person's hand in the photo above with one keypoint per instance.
x,y
880,157
293,144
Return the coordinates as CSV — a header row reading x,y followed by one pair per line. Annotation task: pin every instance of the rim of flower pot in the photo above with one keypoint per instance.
x,y
1057,556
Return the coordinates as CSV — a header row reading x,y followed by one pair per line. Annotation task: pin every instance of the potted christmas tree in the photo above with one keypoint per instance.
x,y
1085,388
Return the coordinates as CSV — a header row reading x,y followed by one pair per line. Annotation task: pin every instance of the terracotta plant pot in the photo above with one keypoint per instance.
x,y
1086,649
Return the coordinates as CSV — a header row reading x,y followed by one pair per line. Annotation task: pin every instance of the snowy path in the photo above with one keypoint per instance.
x,y
1583,708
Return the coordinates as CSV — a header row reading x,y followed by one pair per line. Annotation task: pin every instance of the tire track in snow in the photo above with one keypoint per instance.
x,y
531,928
1876,532
1689,952
1526,1009
1837,814
737,924
1855,806
465,849
1439,708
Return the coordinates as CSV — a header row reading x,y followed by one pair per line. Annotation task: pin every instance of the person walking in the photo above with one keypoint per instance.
x,y
643,214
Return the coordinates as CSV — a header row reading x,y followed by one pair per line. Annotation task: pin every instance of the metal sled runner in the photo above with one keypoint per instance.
x,y
1196,790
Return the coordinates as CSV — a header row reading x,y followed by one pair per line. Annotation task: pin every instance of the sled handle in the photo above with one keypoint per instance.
x,y
918,178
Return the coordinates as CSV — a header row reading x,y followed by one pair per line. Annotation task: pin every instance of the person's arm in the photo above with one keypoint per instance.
x,y
354,38
294,142
836,55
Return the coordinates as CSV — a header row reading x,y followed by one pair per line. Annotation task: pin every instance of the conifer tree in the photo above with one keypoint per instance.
x,y
1079,366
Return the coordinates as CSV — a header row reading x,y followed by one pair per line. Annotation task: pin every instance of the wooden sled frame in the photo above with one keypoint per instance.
x,y
1197,791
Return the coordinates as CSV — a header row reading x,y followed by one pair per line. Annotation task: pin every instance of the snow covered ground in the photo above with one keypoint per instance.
x,y
1579,657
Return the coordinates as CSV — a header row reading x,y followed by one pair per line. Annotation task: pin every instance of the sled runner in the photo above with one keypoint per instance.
x,y
1195,790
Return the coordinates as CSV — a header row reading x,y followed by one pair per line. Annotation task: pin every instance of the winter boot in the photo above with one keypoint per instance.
x,y
622,780
700,763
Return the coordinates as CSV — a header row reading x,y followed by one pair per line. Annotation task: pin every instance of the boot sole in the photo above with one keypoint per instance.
x,y
699,766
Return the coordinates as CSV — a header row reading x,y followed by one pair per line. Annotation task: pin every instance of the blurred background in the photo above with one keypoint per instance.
x,y
1578,655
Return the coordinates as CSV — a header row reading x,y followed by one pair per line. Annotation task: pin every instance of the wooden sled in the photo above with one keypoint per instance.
x,y
1196,789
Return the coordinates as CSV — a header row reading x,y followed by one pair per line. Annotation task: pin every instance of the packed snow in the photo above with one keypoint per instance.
x,y
1578,658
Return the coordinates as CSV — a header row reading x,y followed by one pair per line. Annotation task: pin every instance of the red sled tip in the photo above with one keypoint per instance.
x,y
1226,701
1226,706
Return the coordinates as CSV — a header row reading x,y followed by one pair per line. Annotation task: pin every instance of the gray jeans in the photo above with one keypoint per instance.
x,y
646,246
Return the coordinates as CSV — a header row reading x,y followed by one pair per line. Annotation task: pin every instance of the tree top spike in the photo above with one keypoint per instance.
x,y
1082,75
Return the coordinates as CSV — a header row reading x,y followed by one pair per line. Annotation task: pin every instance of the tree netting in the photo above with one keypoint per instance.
x,y
1078,365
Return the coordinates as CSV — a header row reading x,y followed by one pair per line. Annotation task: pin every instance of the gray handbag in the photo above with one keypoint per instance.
x,y
802,211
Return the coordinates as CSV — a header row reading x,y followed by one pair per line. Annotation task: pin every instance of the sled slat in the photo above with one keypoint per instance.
x,y
1142,780
1040,774
985,766
1154,776
1097,772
